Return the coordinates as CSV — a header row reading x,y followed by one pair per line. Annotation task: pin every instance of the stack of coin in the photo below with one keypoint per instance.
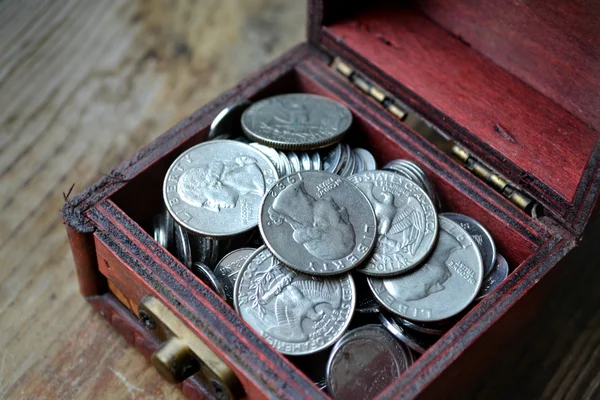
x,y
323,250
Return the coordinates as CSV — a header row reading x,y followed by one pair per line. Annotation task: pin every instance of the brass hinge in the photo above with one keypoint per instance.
x,y
376,92
439,139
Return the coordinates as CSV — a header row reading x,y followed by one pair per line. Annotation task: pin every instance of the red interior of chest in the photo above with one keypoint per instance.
x,y
522,86
516,244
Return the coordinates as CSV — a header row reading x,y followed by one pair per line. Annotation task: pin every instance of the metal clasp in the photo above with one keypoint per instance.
x,y
183,354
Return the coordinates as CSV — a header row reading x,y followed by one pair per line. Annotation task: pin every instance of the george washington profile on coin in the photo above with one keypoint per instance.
x,y
215,188
320,225
219,184
430,277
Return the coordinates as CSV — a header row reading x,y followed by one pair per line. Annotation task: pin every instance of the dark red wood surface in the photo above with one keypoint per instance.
x,y
552,45
523,126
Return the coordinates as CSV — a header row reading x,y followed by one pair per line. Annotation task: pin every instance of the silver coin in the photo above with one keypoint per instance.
x,y
228,268
181,246
206,275
296,313
228,121
443,286
214,253
368,159
495,278
332,160
428,329
307,164
482,238
294,161
415,341
159,230
296,121
348,162
317,223
286,164
215,188
364,362
359,163
316,161
407,224
271,154
365,301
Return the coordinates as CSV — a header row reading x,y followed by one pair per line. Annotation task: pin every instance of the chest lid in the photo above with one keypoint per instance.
x,y
516,83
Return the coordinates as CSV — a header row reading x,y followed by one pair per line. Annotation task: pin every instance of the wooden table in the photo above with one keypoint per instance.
x,y
85,84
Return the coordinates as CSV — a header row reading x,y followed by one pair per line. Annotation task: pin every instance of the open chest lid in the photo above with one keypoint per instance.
x,y
515,83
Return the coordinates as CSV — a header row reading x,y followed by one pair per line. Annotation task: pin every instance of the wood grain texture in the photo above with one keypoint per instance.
x,y
85,84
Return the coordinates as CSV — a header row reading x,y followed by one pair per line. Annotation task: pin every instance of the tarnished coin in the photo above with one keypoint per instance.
x,y
482,237
495,278
407,223
364,362
215,188
296,313
227,122
443,286
206,275
416,341
181,246
296,121
317,223
228,268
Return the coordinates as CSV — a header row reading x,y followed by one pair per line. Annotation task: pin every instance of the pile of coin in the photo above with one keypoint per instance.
x,y
324,255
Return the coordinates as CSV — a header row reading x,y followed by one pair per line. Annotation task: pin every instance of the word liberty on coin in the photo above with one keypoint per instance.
x,y
317,223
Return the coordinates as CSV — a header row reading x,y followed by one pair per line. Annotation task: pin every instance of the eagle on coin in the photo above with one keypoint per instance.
x,y
409,221
300,300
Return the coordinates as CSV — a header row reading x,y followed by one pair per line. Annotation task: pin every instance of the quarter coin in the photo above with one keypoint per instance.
x,y
368,159
227,122
495,278
181,246
407,224
228,268
297,314
317,223
415,341
333,159
296,121
443,286
428,329
215,188
207,276
364,362
482,237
